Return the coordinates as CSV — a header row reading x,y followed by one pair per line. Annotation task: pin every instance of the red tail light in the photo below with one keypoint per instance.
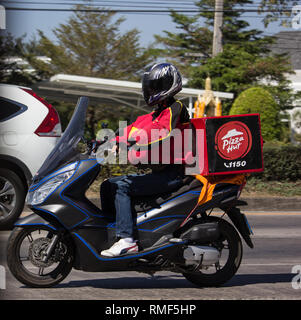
x,y
51,125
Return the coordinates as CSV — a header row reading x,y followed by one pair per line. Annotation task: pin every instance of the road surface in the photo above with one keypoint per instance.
x,y
272,270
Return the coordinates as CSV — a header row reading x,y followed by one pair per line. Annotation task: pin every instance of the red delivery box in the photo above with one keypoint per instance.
x,y
227,145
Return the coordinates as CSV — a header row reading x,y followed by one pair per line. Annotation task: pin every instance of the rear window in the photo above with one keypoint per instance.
x,y
10,109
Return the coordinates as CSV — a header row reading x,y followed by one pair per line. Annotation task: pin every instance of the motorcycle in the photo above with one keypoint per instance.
x,y
66,230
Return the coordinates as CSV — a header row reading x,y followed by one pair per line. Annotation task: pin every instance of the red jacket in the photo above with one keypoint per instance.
x,y
152,132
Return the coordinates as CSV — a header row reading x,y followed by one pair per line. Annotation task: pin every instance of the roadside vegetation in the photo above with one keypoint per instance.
x,y
259,189
255,188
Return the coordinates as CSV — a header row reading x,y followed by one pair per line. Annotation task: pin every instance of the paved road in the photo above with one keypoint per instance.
x,y
265,272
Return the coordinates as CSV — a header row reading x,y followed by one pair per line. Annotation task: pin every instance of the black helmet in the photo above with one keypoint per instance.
x,y
161,81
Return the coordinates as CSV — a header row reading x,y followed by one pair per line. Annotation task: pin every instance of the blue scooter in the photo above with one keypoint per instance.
x,y
66,230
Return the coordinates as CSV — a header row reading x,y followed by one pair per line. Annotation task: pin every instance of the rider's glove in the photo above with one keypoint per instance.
x,y
93,145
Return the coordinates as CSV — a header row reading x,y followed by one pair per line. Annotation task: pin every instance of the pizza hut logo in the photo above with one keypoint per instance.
x,y
233,140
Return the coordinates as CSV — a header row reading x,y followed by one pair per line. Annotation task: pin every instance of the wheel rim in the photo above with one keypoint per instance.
x,y
7,198
31,250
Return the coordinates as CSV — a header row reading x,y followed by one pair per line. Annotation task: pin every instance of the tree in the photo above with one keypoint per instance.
x,y
186,48
259,100
246,59
10,71
235,69
91,44
275,10
192,46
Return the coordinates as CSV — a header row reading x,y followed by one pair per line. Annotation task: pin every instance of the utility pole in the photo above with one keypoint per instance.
x,y
218,23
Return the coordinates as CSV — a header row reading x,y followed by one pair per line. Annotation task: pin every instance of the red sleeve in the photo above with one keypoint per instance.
x,y
161,127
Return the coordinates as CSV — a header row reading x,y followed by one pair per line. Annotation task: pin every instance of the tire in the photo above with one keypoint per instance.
x,y
24,273
12,198
229,234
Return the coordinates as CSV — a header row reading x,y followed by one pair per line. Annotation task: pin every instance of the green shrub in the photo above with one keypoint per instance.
x,y
258,100
281,163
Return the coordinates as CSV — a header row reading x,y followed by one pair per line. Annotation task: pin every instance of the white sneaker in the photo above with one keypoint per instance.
x,y
123,246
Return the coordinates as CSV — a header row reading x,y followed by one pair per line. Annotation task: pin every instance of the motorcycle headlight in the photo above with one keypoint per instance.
x,y
41,193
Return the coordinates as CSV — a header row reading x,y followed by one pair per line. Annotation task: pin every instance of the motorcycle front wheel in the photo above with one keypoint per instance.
x,y
230,247
25,251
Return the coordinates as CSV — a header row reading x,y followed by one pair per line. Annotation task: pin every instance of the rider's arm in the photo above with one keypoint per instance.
x,y
123,137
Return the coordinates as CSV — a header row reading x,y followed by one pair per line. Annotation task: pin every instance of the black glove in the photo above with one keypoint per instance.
x,y
92,146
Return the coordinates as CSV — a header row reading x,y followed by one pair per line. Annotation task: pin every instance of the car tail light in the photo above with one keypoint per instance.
x,y
51,125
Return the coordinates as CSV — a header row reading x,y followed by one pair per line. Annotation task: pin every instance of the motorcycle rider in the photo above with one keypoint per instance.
x,y
159,85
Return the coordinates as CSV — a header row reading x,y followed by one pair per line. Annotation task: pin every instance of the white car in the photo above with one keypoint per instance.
x,y
29,129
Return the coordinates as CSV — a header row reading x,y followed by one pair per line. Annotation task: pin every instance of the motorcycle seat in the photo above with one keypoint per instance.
x,y
222,192
145,203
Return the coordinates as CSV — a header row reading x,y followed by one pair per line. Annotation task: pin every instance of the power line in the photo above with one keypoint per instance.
x,y
118,3
146,4
185,7
124,8
96,3
125,3
138,1
97,10
138,10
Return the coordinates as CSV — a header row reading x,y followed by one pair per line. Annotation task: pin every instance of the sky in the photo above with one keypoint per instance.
x,y
27,23
20,23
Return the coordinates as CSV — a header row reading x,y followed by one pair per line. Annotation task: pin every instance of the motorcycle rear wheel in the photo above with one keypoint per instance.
x,y
233,242
24,253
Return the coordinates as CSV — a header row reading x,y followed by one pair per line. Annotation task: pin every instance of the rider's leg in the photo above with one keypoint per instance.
x,y
124,221
107,196
137,185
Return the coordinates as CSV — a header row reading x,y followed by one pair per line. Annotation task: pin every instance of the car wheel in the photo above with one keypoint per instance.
x,y
12,197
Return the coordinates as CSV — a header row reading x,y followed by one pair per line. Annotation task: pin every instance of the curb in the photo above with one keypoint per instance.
x,y
273,204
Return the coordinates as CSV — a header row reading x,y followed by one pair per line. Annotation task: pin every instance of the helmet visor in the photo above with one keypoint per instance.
x,y
153,87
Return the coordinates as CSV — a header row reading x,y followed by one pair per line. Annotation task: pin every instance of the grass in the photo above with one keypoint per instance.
x,y
258,188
